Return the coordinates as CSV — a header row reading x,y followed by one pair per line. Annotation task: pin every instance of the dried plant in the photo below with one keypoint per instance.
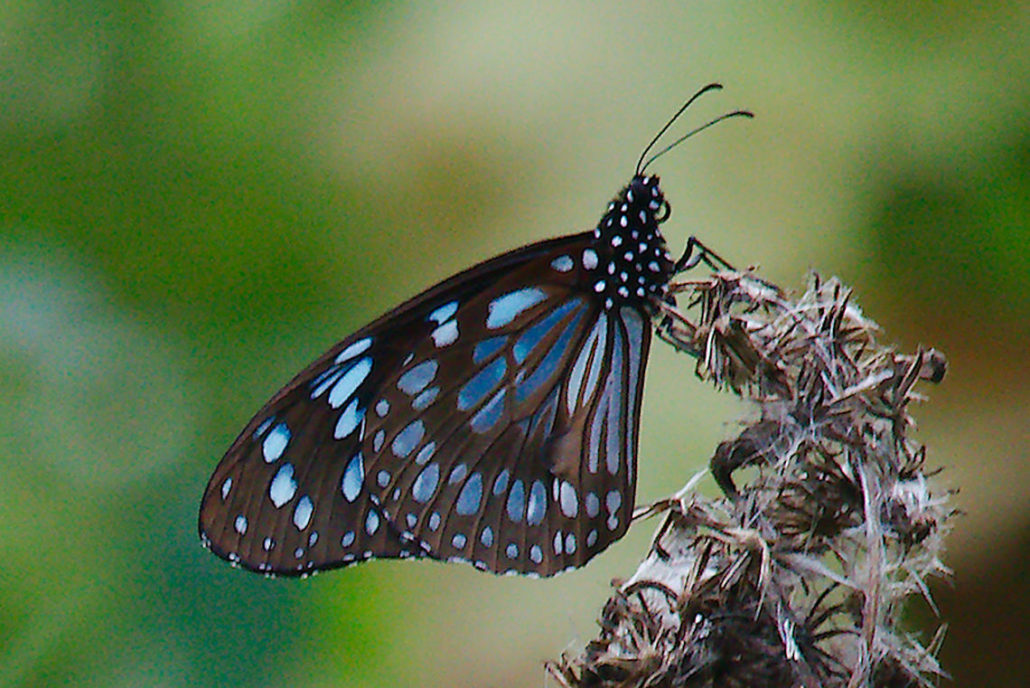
x,y
799,576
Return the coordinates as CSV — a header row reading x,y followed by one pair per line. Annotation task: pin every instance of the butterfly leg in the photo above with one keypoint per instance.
x,y
676,330
703,254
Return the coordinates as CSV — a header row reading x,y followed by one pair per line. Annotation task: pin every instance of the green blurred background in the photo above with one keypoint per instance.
x,y
198,198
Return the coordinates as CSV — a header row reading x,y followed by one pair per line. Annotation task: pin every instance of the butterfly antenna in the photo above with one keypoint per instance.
x,y
640,163
735,113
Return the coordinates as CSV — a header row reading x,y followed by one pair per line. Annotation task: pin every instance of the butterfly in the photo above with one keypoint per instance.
x,y
492,419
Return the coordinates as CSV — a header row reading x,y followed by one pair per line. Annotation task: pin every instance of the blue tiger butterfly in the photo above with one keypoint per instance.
x,y
492,419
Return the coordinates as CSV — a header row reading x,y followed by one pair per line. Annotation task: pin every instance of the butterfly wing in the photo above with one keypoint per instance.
x,y
482,409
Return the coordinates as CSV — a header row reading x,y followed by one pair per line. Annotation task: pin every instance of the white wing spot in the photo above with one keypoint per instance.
x,y
283,486
226,486
569,503
240,525
354,349
372,523
353,476
443,313
268,544
446,334
349,420
349,382
589,258
562,263
275,444
302,512
593,504
348,539
382,408
506,308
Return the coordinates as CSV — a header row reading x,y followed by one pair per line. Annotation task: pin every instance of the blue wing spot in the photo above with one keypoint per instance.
x,y
476,389
537,504
425,485
471,495
487,537
532,337
488,416
512,550
457,474
516,501
408,438
416,379
487,348
425,453
353,477
423,400
501,483
549,365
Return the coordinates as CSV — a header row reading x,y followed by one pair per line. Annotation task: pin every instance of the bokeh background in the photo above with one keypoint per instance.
x,y
198,198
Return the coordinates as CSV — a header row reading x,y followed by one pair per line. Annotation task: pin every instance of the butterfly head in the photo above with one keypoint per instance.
x,y
634,263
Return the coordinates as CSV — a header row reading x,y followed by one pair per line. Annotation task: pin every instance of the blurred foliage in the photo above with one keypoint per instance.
x,y
196,198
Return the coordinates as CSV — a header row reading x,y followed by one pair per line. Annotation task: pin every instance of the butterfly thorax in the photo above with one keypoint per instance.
x,y
633,262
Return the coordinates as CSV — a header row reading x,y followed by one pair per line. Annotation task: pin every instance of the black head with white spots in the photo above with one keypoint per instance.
x,y
632,263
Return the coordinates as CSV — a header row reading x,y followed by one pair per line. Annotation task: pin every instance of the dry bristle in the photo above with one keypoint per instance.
x,y
799,576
